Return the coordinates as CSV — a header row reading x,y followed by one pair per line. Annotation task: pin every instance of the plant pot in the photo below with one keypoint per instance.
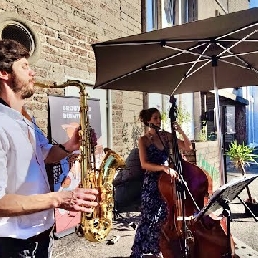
x,y
253,206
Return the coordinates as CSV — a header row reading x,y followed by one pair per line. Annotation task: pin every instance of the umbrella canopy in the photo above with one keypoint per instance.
x,y
179,59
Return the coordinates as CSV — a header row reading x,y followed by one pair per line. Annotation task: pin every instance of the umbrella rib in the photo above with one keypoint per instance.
x,y
225,50
246,64
173,65
185,51
174,55
237,30
237,43
188,75
198,59
236,40
239,54
241,66
197,69
150,42
121,77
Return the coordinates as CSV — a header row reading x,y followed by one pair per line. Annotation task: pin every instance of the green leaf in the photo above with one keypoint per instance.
x,y
241,154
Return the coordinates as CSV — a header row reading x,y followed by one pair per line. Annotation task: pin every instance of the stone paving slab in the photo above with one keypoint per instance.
x,y
244,251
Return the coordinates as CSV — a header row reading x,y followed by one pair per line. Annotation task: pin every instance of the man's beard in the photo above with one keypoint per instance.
x,y
21,87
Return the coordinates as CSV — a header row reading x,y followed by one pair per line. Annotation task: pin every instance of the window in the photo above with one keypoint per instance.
x,y
168,13
151,15
14,27
189,11
178,12
20,33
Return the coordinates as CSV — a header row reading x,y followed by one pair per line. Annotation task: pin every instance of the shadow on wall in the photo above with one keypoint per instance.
x,y
128,184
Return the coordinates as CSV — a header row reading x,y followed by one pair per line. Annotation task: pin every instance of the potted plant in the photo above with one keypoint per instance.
x,y
242,155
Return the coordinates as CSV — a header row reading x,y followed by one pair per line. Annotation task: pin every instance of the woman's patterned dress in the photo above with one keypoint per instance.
x,y
153,208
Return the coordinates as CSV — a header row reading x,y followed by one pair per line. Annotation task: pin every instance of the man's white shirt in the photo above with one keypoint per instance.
x,y
23,148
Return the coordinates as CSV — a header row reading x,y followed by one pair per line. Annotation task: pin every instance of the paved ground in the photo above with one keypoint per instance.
x,y
243,228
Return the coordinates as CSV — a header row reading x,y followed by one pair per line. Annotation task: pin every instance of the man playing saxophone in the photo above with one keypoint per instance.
x,y
26,203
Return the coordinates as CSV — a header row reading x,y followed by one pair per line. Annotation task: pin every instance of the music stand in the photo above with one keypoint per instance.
x,y
221,199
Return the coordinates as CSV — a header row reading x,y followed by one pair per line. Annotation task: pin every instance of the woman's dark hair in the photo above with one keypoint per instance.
x,y
146,114
11,51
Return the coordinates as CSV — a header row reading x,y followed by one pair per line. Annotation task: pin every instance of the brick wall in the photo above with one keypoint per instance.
x,y
66,29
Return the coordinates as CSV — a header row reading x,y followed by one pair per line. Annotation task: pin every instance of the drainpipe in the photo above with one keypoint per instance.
x,y
145,98
180,12
109,120
251,114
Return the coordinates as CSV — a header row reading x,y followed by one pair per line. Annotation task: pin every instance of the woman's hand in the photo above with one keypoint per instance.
x,y
170,171
178,128
185,143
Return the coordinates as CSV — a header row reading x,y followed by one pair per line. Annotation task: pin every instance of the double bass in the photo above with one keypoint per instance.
x,y
182,236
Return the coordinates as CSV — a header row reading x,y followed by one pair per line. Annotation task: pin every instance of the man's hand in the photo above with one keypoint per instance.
x,y
80,199
73,144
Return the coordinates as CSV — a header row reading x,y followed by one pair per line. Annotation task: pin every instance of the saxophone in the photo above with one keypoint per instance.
x,y
96,225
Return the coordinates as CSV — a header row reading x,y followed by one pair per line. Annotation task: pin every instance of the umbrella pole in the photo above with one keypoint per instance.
x,y
223,177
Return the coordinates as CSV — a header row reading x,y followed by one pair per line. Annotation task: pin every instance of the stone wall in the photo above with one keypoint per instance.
x,y
237,5
208,8
65,30
211,8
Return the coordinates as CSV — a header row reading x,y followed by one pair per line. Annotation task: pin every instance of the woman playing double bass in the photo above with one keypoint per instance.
x,y
154,152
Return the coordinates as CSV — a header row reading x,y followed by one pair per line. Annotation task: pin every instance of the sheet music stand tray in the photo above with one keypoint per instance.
x,y
221,198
